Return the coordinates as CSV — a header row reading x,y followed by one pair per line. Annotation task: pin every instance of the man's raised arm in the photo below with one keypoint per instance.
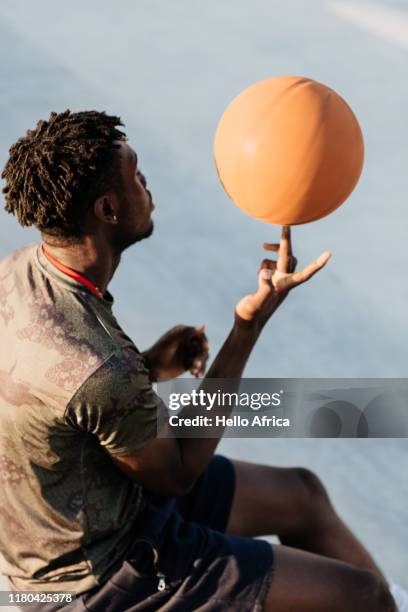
x,y
171,465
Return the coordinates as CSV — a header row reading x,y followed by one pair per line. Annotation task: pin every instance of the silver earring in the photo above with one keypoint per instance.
x,y
115,218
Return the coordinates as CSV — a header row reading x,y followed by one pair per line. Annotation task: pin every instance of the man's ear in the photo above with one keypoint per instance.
x,y
105,209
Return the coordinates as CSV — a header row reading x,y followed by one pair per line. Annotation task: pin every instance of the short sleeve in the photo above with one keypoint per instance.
x,y
117,404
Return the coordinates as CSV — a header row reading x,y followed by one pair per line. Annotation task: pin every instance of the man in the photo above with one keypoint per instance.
x,y
92,501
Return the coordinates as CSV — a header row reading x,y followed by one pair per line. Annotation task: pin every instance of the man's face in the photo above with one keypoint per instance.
x,y
135,201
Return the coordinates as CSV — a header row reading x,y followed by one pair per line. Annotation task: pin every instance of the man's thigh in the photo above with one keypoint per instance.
x,y
269,500
233,574
251,500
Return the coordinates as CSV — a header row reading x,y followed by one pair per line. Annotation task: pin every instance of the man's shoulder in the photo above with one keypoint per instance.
x,y
18,257
121,373
61,339
56,338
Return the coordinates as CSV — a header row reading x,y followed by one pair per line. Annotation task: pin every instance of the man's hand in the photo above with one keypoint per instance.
x,y
182,348
276,279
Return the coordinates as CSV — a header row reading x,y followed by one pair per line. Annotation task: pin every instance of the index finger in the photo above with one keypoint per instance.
x,y
285,250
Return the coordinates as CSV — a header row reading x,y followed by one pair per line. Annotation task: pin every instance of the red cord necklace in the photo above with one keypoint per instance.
x,y
72,273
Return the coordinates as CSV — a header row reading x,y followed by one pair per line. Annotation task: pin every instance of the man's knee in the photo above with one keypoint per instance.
x,y
311,494
366,591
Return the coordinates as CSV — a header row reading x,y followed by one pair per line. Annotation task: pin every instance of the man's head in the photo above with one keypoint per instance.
x,y
74,175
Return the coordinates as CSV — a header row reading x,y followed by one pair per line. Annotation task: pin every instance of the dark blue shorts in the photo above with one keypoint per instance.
x,y
186,553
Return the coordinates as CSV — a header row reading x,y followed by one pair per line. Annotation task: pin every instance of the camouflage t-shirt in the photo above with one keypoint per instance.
x,y
73,390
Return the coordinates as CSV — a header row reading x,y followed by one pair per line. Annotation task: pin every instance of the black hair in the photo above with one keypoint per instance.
x,y
56,171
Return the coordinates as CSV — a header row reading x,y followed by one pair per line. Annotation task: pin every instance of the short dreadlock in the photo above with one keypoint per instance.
x,y
56,171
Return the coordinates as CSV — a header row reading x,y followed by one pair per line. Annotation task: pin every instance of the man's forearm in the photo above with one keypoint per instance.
x,y
195,453
233,355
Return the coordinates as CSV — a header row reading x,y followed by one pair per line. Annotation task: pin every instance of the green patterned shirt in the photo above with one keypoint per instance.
x,y
73,391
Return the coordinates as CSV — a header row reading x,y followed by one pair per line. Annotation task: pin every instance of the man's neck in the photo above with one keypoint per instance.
x,y
96,262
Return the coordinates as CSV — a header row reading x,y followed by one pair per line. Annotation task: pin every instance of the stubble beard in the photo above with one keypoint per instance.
x,y
126,240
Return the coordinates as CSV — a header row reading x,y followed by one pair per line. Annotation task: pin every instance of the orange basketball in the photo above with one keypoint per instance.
x,y
288,150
